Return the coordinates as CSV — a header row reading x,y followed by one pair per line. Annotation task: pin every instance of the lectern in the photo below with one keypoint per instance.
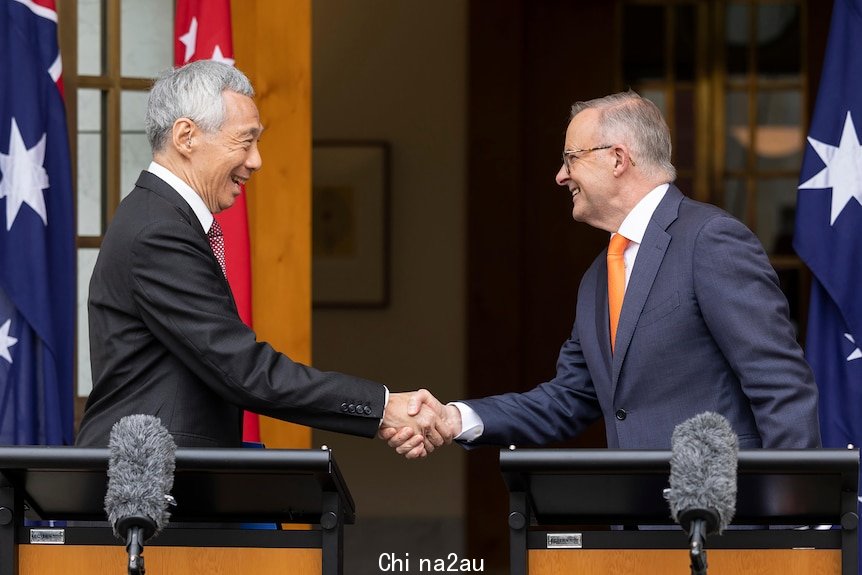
x,y
218,493
603,511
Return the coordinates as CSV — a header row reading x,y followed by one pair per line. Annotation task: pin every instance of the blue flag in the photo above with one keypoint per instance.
x,y
37,249
829,230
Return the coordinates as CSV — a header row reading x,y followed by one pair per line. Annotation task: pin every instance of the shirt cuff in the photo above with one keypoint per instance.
x,y
471,424
385,403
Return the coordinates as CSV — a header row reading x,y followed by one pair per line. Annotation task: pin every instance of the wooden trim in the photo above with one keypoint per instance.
x,y
279,196
63,559
703,105
111,111
726,561
90,242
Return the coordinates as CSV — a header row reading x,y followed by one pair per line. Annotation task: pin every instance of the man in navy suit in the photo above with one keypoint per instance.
x,y
703,324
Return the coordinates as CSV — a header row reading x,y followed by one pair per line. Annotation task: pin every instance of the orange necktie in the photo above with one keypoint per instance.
x,y
616,281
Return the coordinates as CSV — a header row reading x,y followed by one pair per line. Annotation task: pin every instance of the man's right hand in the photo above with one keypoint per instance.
x,y
408,441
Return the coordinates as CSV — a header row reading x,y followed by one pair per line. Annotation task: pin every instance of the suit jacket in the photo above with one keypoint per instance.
x,y
166,339
703,327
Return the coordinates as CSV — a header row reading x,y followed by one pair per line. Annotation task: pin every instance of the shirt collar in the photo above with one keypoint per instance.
x,y
188,194
635,225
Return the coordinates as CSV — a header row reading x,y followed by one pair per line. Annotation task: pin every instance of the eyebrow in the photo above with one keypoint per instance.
x,y
254,131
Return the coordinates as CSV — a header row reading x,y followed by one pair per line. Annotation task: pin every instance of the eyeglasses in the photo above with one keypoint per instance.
x,y
569,156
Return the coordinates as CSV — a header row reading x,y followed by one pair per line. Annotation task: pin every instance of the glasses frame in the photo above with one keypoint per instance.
x,y
571,153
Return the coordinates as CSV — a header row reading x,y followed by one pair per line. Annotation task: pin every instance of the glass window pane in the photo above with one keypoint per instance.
x,y
657,98
135,154
147,49
776,210
779,40
685,184
779,141
684,126
735,198
86,263
686,47
738,133
89,196
90,37
736,34
643,46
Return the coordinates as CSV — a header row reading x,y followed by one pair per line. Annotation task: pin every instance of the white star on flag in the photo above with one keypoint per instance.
x,y
857,353
6,341
24,176
190,40
219,57
843,171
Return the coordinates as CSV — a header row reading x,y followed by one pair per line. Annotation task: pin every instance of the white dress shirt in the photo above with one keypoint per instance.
x,y
633,227
188,194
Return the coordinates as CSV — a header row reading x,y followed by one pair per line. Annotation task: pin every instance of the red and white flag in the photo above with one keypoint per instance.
x,y
202,31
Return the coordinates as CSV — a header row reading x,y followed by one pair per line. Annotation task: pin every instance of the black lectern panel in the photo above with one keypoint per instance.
x,y
230,485
217,490
591,486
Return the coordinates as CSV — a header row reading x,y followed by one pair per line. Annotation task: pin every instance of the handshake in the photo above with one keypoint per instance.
x,y
415,423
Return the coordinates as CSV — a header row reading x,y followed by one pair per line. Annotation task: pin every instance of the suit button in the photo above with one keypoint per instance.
x,y
367,410
344,406
351,408
621,414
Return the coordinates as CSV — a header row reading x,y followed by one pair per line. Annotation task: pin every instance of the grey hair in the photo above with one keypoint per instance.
x,y
193,91
638,122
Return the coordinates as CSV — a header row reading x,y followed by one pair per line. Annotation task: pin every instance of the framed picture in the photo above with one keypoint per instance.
x,y
350,224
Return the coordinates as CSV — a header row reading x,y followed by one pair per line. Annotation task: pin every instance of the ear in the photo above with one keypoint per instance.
x,y
182,136
622,159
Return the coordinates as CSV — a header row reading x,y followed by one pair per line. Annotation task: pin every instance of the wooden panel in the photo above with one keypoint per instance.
x,y
676,562
81,560
272,45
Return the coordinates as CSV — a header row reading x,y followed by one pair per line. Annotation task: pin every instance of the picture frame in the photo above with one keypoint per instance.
x,y
350,223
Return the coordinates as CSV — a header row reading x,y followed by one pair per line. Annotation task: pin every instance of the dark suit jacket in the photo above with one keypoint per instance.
x,y
166,339
703,327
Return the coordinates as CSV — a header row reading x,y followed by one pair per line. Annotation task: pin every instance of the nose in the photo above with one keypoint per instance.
x,y
562,177
253,161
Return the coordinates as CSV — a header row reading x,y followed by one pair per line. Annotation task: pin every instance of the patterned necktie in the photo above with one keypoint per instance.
x,y
616,281
217,244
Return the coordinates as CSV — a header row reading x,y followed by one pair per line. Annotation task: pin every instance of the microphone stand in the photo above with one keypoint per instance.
x,y
135,549
698,523
136,529
697,550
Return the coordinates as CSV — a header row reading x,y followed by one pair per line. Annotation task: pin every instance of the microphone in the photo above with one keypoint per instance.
x,y
702,494
141,466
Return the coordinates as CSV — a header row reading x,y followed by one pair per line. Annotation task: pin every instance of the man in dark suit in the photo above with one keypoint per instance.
x,y
165,335
703,325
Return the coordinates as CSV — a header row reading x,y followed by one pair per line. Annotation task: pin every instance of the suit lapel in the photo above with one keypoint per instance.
x,y
650,255
161,188
158,186
603,330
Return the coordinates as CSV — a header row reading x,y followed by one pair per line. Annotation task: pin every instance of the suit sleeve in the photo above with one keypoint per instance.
x,y
553,411
186,304
747,314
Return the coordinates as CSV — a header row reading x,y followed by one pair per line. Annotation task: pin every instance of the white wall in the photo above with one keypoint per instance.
x,y
396,71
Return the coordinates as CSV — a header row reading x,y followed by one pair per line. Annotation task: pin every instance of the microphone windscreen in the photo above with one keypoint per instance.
x,y
141,464
703,463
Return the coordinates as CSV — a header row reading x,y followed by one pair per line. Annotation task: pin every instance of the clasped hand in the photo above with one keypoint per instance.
x,y
415,423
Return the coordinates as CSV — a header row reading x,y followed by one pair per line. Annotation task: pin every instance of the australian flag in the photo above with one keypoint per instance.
x,y
37,251
829,230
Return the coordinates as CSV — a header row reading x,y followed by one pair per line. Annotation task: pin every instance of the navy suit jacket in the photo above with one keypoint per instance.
x,y
703,327
166,339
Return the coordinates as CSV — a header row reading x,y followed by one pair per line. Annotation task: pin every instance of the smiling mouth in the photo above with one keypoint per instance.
x,y
238,180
